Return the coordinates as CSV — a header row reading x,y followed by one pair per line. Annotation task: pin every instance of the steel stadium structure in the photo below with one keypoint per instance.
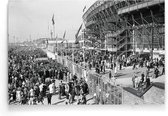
x,y
126,26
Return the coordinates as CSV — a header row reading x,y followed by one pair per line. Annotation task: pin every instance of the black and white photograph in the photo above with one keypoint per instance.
x,y
86,52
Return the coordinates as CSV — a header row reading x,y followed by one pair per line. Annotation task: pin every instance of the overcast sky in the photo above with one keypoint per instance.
x,y
31,18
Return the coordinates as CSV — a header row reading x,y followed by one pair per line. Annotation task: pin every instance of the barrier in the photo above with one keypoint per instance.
x,y
103,91
114,93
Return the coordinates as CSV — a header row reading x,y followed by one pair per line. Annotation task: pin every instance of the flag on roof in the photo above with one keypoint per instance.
x,y
84,8
64,34
76,36
53,22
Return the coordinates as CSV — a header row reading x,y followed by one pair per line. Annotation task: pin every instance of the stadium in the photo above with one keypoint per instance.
x,y
126,27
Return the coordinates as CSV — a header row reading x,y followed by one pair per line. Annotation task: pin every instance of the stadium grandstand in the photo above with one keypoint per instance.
x,y
126,27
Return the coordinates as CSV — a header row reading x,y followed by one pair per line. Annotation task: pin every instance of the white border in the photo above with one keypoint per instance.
x,y
62,110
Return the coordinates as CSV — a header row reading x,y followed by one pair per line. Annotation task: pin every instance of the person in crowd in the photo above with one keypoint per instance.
x,y
110,75
67,90
133,80
41,95
142,78
36,92
148,83
104,66
31,95
19,95
72,94
48,98
79,102
77,90
148,65
163,70
51,92
83,100
60,90
156,72
136,82
115,70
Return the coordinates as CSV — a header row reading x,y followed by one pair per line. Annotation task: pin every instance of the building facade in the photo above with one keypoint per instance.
x,y
126,26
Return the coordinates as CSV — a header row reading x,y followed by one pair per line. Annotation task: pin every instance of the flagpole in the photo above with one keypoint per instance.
x,y
56,44
53,23
84,46
53,30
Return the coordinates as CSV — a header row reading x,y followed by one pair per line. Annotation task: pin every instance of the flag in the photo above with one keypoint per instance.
x,y
64,34
76,36
53,20
84,8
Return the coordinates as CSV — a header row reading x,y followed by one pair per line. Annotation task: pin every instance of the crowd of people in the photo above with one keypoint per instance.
x,y
102,60
31,80
93,59
144,81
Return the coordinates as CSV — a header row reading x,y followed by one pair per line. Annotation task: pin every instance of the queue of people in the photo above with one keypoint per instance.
x,y
31,80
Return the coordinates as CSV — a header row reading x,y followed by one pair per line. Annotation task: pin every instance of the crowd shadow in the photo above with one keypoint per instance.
x,y
90,99
120,74
58,102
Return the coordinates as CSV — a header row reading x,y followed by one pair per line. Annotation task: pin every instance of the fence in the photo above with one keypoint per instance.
x,y
103,91
74,68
